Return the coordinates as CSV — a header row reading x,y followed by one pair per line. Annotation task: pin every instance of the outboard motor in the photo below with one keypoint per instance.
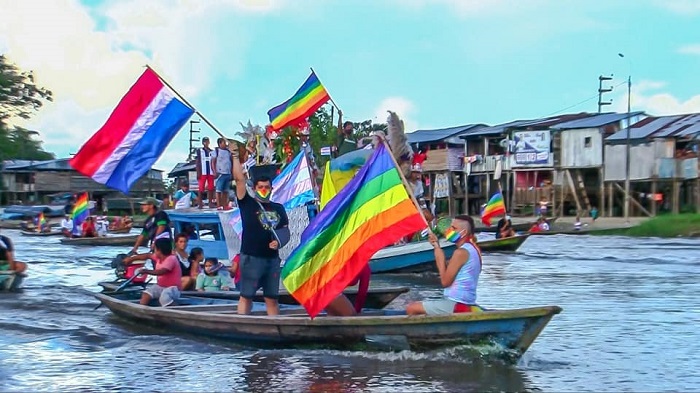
x,y
125,272
119,266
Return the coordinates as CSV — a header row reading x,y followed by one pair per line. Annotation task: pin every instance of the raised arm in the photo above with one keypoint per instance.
x,y
238,174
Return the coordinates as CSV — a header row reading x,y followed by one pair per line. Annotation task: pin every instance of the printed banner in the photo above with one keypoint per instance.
x,y
532,147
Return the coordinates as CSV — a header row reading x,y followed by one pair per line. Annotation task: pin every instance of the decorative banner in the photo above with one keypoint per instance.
x,y
442,186
326,151
498,169
532,147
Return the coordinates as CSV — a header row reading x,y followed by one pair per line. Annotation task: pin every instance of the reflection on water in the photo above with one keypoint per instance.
x,y
631,311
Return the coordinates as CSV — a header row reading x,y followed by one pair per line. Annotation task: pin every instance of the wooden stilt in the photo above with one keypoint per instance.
x,y
676,196
570,180
610,199
601,198
653,197
634,201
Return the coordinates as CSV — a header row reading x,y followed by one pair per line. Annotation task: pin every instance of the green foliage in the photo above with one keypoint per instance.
x,y
19,96
667,225
19,143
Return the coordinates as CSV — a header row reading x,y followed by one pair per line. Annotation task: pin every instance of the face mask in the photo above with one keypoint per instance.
x,y
263,194
453,236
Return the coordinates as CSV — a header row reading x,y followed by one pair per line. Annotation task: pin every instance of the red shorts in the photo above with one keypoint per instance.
x,y
208,180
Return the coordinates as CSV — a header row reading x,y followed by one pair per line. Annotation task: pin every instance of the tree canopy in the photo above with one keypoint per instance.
x,y
20,97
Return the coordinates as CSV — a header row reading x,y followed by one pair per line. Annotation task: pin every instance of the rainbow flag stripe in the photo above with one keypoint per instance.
x,y
370,213
494,208
310,96
42,219
80,209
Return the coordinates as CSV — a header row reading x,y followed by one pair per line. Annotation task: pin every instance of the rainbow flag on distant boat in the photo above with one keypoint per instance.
x,y
494,208
81,210
373,211
310,96
40,221
135,135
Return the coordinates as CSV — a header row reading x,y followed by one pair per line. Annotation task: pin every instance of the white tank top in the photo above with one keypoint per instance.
x,y
463,288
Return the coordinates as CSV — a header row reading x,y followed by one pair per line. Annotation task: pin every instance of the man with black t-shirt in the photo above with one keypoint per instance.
x,y
156,226
260,261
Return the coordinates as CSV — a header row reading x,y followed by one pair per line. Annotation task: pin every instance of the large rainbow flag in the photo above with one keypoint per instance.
x,y
310,96
81,210
494,208
371,212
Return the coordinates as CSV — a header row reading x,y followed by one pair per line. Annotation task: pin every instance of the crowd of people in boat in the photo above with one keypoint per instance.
x,y
94,226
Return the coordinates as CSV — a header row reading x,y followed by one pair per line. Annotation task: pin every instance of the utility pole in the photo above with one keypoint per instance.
x,y
628,141
192,138
601,91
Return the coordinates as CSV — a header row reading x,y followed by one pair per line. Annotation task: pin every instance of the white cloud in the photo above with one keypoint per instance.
x,y
690,49
403,107
90,57
646,97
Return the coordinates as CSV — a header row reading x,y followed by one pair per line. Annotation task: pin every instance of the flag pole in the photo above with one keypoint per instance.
x,y
409,189
329,94
186,102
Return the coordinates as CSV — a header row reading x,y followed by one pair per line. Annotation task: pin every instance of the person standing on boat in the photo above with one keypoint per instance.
x,y
260,260
156,226
346,142
222,160
459,276
205,173
7,257
184,198
169,284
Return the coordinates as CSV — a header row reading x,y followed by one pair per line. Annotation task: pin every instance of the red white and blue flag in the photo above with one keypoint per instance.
x,y
137,132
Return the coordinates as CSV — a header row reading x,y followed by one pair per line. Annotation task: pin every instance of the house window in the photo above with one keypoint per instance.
x,y
587,142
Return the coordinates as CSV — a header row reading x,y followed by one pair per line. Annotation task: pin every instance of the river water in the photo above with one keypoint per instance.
x,y
630,323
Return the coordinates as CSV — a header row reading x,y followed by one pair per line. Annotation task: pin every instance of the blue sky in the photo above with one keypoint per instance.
x,y
437,63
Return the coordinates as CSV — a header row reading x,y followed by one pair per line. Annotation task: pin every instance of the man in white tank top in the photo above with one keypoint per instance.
x,y
459,276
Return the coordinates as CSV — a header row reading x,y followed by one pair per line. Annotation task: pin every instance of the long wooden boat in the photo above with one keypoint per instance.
x,y
506,244
10,281
35,233
377,297
120,230
419,257
512,330
126,240
520,227
582,231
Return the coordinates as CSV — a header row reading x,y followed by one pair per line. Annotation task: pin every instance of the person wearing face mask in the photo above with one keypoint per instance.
x,y
259,256
459,276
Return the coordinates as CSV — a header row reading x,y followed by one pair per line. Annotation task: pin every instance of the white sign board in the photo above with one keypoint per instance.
x,y
532,147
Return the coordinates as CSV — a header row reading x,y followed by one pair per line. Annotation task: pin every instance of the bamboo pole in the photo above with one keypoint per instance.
x,y
329,94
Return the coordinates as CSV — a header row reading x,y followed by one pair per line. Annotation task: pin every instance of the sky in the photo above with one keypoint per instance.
x,y
437,63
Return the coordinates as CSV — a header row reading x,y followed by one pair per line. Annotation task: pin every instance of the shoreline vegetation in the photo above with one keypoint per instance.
x,y
671,225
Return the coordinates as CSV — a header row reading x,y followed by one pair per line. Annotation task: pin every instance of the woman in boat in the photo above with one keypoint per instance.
x,y
341,305
459,276
88,228
189,269
214,277
7,257
507,229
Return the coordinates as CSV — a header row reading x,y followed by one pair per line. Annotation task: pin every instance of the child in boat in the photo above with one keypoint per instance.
x,y
196,258
189,270
214,277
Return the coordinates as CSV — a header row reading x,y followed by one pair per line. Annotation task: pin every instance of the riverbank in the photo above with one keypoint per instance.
x,y
676,225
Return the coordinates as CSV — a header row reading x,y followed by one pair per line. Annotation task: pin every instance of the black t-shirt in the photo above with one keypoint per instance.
x,y
5,247
150,226
256,236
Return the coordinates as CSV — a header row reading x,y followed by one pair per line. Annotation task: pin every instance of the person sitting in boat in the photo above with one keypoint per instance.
x,y
535,228
156,226
543,224
506,230
88,228
7,257
235,271
196,258
189,270
184,198
265,225
169,276
459,276
67,226
341,305
214,277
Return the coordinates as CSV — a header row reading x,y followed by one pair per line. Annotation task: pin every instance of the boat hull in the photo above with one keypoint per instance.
x,y
11,281
520,227
508,244
513,330
126,240
40,234
377,297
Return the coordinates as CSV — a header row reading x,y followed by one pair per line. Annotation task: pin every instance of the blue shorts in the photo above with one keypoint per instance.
x,y
223,183
259,272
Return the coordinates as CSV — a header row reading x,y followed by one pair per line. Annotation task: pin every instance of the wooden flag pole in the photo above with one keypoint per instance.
x,y
329,94
187,102
408,187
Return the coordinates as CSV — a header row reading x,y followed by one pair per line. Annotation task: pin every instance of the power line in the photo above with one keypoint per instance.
x,y
579,103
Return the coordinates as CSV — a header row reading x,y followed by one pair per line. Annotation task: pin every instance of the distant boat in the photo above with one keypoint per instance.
x,y
520,227
513,330
35,233
125,240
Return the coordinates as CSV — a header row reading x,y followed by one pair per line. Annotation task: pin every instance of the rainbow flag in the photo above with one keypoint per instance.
x,y
310,96
80,209
494,208
371,212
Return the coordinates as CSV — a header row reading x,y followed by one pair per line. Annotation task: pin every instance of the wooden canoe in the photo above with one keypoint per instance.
x,y
126,240
513,330
11,281
520,227
507,244
34,233
377,297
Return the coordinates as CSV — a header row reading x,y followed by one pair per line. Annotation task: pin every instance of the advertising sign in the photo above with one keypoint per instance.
x,y
532,147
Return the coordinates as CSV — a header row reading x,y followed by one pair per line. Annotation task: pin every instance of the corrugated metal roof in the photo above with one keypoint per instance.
x,y
661,127
439,135
546,122
597,120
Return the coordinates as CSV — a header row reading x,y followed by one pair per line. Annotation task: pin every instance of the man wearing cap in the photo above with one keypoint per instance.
x,y
205,172
156,226
184,198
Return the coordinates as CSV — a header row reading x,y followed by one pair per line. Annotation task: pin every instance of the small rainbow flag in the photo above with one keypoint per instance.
x,y
492,209
42,219
310,96
80,209
370,213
